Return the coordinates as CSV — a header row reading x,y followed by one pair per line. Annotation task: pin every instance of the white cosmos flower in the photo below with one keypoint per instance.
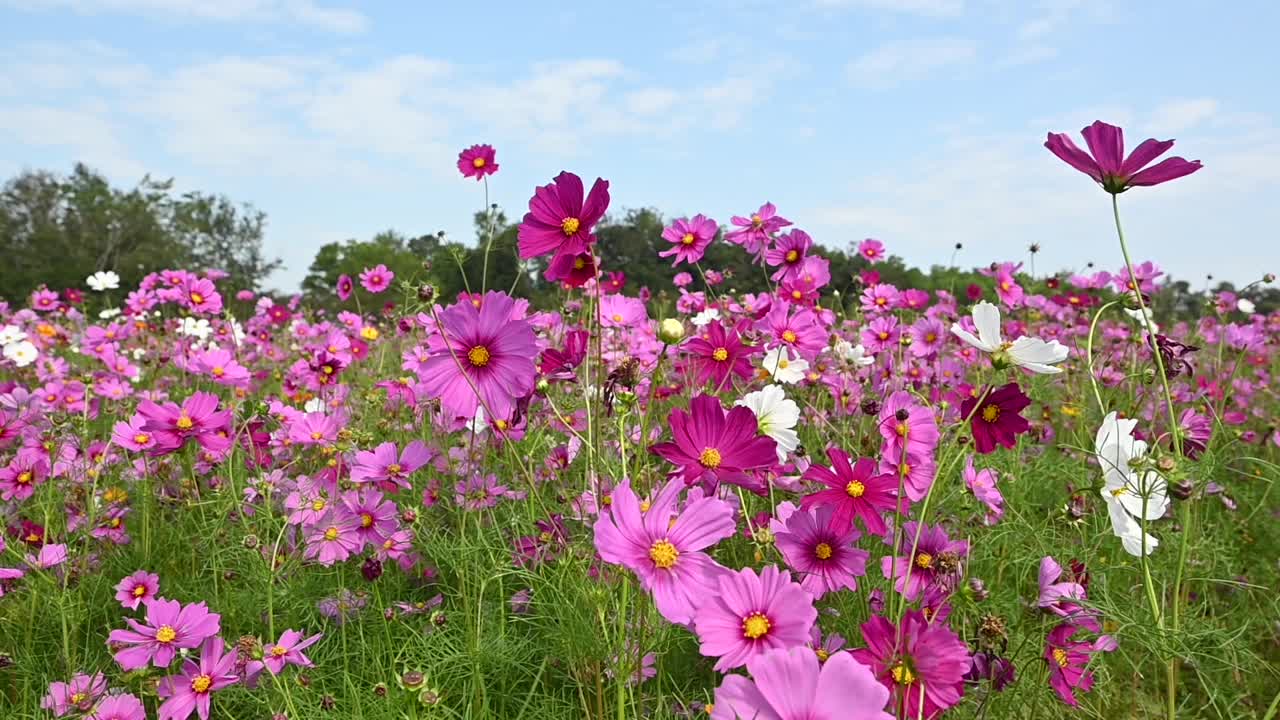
x,y
776,417
103,280
1031,353
705,317
10,334
109,313
1137,315
315,405
1132,538
782,367
1245,306
1141,494
21,353
192,327
855,354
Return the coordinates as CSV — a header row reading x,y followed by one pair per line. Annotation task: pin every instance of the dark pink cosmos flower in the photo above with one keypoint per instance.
x,y
559,221
689,238
574,270
936,561
345,286
288,651
170,626
872,250
1068,661
480,353
756,232
1106,164
664,545
821,550
137,589
718,356
377,279
190,690
77,696
918,661
197,419
994,417
854,490
382,464
334,538
477,161
788,254
559,365
200,296
710,444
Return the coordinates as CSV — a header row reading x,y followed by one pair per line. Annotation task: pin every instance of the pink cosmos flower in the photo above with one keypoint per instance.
x,y
477,161
1068,661
790,684
982,483
221,366
918,659
77,696
906,424
191,689
710,444
750,614
198,418
137,589
333,539
1106,164
288,651
996,420
620,311
26,471
376,279
788,254
936,562
169,627
119,707
872,250
664,545
44,300
756,232
855,490
314,428
882,334
719,355
382,465
480,354
1059,597
821,550
559,221
689,238
201,296
345,287
880,299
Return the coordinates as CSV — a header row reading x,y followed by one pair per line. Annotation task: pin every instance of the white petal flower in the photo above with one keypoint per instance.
x,y
776,417
706,317
855,354
315,405
1143,495
109,313
21,353
1245,306
10,334
1031,353
782,367
1137,315
103,280
1135,541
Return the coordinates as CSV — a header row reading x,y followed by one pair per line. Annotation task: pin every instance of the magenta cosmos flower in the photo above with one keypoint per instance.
x,y
191,689
906,424
377,279
480,355
559,221
710,444
790,684
1058,596
919,659
663,545
821,550
119,707
872,250
198,418
477,161
288,651
994,417
935,563
855,490
756,232
345,287
383,464
750,614
77,696
1106,164
169,627
689,238
719,355
1068,662
137,589
789,254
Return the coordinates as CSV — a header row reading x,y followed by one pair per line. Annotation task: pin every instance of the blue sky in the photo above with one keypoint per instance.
x,y
919,122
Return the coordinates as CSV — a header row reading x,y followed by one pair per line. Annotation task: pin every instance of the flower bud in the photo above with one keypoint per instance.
x,y
1182,490
671,331
1269,278
412,680
426,293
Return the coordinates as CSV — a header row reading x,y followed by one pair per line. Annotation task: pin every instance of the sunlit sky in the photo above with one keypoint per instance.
x,y
918,122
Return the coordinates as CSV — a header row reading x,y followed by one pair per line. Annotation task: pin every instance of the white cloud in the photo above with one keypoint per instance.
x,y
1179,115
305,12
931,8
894,63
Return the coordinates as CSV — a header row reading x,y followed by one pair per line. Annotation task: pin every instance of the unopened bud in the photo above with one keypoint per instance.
x,y
426,293
1182,490
671,331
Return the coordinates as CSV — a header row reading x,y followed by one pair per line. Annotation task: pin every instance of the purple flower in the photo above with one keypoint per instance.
x,y
191,689
936,560
1106,164
750,614
119,707
288,651
822,550
170,626
790,684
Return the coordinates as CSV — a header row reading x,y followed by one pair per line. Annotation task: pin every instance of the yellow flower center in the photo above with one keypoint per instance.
x,y
782,364
755,626
664,555
477,163
792,256
823,655
570,225
1060,657
796,294
394,469
924,561
720,354
166,634
579,263
139,591
279,651
617,318
317,504
822,552
688,239
881,301
24,477
77,698
142,438
882,335
757,222
855,489
184,422
901,429
789,336
366,520
218,371
331,534
710,458
201,683
478,356
196,298
369,333
991,413
500,424
902,674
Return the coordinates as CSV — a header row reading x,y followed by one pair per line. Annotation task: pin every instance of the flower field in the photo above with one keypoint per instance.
x,y
1034,496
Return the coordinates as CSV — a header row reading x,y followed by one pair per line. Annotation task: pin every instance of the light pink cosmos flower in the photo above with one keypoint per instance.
x,y
376,279
77,696
333,539
137,589
1060,598
190,690
119,707
750,614
790,684
170,626
382,464
872,250
821,549
982,483
287,651
664,546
